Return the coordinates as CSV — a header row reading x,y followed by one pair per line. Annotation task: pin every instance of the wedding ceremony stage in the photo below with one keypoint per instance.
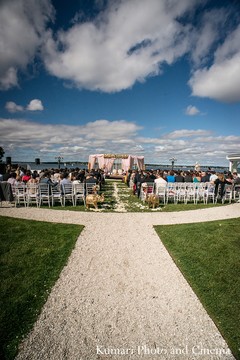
x,y
115,164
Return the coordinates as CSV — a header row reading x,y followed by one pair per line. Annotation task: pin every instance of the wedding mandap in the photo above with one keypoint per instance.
x,y
115,164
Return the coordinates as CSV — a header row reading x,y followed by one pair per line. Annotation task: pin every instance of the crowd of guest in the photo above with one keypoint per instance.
x,y
136,178
133,178
53,177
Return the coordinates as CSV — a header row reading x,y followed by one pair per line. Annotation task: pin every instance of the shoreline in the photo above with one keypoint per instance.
x,y
84,165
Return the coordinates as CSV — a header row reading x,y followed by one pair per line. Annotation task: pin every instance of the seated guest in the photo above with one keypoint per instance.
x,y
97,174
196,177
220,182
19,180
160,180
205,177
26,176
34,179
91,178
31,184
149,177
64,179
46,179
213,177
12,179
179,177
81,175
188,177
56,176
170,176
236,178
229,177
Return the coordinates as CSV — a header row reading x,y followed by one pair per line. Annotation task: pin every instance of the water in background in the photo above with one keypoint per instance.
x,y
186,167
33,166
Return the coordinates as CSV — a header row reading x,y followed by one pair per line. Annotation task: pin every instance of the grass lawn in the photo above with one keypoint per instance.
x,y
208,255
131,202
32,255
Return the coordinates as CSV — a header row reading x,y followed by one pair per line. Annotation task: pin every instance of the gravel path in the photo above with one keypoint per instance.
x,y
120,295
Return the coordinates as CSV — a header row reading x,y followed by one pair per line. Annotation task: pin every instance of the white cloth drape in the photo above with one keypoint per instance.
x,y
101,161
131,161
125,164
92,159
140,162
108,163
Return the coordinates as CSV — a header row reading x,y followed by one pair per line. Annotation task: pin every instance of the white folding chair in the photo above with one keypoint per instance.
x,y
57,196
79,193
171,193
181,191
221,193
209,193
202,191
146,189
236,192
190,193
45,195
228,193
160,191
32,194
20,195
90,188
67,193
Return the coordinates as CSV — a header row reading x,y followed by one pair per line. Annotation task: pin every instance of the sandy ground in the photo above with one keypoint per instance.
x,y
120,295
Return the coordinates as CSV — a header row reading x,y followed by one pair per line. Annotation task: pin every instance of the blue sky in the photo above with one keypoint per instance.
x,y
159,78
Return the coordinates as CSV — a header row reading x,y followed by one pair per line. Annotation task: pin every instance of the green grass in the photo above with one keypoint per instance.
x,y
208,255
132,202
32,255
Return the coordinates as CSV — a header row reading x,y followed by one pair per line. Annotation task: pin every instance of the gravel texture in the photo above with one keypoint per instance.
x,y
121,295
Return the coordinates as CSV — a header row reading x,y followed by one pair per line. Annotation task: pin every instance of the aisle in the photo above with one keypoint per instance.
x,y
121,297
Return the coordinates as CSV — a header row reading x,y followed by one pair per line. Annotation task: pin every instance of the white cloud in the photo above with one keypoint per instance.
x,y
25,140
204,36
185,133
221,81
46,137
229,48
13,107
22,28
8,78
126,43
35,105
192,110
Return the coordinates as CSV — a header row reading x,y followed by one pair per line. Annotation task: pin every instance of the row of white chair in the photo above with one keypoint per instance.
x,y
42,193
188,192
